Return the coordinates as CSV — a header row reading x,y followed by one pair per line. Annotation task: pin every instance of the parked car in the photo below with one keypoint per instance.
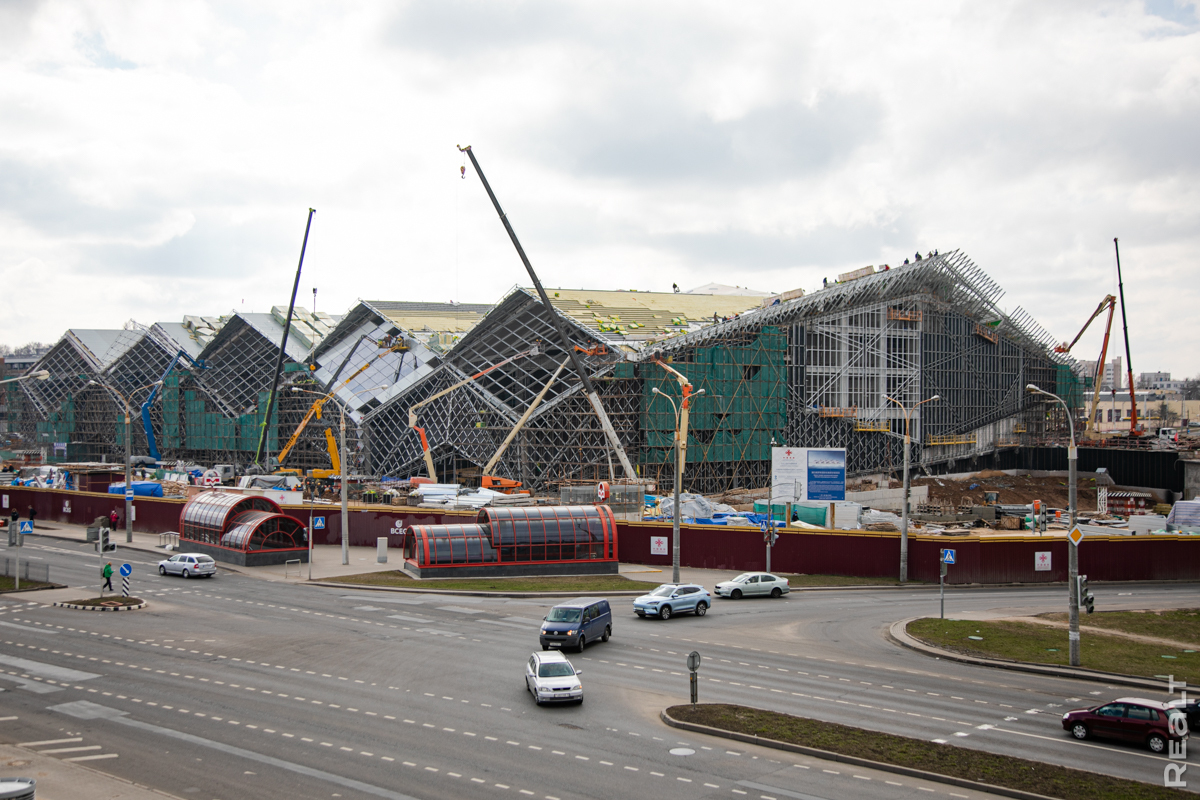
x,y
188,564
1129,719
576,623
750,584
673,598
550,678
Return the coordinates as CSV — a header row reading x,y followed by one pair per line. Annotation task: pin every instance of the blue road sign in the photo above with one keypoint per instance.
x,y
318,523
947,556
126,570
129,494
26,526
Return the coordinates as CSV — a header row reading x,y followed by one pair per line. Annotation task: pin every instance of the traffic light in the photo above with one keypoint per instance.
x,y
1086,600
106,543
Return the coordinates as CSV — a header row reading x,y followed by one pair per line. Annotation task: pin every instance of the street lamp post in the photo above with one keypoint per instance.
x,y
1072,549
678,481
128,453
904,512
344,467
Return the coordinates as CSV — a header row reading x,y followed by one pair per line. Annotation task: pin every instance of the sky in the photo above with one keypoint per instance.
x,y
159,159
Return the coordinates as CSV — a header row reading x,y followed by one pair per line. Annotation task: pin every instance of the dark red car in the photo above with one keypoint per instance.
x,y
1128,719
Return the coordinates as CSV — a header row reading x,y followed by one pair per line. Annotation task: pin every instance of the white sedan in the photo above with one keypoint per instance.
x,y
188,565
750,584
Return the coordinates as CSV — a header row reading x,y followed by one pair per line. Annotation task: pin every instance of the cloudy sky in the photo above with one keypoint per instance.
x,y
158,159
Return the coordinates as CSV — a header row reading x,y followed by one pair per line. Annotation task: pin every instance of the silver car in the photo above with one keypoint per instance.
x,y
188,564
750,584
550,678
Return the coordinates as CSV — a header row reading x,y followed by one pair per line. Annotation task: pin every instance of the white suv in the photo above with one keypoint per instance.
x,y
188,564
552,679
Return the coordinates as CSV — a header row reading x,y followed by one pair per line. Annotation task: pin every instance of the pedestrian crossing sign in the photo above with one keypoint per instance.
x,y
26,526
947,556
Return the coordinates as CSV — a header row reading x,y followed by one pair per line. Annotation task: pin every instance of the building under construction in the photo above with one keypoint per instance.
x,y
805,370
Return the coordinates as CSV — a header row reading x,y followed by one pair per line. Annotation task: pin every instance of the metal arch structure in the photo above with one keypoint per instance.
x,y
561,440
932,327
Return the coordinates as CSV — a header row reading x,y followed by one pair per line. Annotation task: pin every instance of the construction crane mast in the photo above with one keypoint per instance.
x,y
1133,418
1108,303
588,388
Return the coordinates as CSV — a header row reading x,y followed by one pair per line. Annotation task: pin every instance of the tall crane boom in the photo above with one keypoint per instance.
x,y
593,398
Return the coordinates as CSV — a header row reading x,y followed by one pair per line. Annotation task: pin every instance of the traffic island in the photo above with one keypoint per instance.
x,y
945,763
104,604
1048,646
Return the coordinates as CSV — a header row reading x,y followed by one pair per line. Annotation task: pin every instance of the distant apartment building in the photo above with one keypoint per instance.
x,y
1158,380
1112,378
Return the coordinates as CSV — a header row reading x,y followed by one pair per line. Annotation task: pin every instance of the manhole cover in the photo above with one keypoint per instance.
x,y
682,751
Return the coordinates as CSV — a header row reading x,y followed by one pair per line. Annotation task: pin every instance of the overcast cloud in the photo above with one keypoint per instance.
x,y
158,159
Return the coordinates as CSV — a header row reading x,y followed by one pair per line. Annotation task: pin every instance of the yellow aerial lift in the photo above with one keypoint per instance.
x,y
388,344
686,386
1109,302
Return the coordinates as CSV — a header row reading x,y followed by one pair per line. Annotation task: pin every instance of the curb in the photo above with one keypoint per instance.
x,y
852,760
899,635
78,607
466,593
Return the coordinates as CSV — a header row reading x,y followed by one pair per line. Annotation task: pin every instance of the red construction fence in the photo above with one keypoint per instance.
x,y
989,559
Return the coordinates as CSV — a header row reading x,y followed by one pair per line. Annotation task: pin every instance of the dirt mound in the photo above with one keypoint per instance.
x,y
1012,489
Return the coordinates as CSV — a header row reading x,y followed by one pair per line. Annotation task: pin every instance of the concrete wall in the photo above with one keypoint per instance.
x,y
1191,480
890,499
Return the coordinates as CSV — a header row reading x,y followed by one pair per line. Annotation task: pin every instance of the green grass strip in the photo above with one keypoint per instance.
x,y
7,584
799,581
582,583
1040,644
943,759
1178,624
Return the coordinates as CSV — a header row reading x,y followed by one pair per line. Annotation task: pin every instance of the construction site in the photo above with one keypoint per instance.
x,y
548,389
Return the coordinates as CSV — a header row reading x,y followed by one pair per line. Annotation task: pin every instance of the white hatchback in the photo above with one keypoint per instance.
x,y
188,564
552,679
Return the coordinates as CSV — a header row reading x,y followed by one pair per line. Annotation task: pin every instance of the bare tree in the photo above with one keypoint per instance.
x,y
1191,388
5,350
31,348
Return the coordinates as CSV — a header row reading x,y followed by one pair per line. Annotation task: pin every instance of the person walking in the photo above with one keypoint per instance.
x,y
107,573
32,513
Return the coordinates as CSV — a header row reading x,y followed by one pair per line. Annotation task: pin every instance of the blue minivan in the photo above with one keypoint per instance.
x,y
576,623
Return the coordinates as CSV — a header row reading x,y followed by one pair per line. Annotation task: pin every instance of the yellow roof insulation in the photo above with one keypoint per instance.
x,y
440,317
646,315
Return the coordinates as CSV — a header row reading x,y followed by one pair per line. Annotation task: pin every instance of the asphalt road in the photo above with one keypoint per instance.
x,y
235,687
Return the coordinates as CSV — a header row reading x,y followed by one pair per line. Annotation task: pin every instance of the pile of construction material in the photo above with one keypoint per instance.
x,y
203,329
453,495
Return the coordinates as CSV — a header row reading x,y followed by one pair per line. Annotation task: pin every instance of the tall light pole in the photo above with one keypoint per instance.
x,y
904,513
678,481
345,465
128,453
1072,549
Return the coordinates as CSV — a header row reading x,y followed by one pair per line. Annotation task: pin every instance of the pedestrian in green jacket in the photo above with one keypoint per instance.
x,y
107,573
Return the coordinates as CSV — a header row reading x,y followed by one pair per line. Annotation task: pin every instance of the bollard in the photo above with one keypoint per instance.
x,y
381,550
